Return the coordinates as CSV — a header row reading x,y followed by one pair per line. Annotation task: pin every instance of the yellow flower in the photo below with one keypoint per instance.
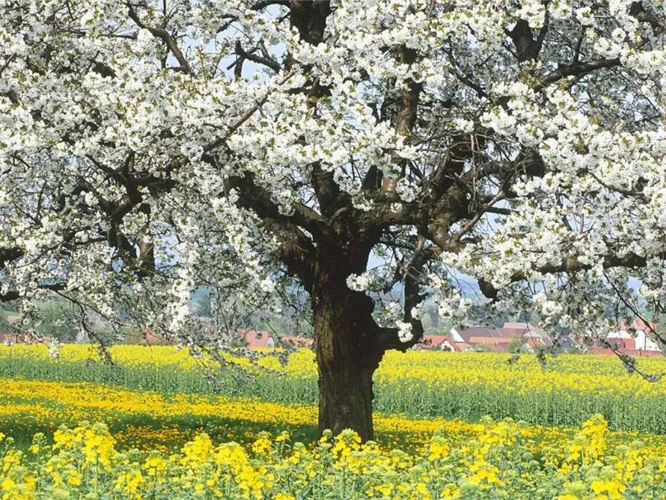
x,y
129,482
262,445
438,448
155,465
8,484
450,492
284,496
283,436
74,477
610,489
384,489
197,451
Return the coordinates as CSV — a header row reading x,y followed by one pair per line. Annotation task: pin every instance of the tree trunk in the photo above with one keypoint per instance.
x,y
347,355
345,395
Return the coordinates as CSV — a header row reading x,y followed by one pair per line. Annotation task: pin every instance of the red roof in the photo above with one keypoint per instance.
x,y
439,341
522,329
147,337
432,340
257,338
483,332
639,325
298,341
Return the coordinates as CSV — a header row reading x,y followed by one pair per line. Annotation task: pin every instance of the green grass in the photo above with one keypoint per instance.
x,y
412,397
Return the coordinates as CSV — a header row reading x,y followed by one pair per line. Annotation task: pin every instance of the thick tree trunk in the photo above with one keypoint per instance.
x,y
347,355
345,388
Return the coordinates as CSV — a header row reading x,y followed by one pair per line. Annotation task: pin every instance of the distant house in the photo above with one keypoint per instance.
x,y
20,338
500,339
477,332
297,341
638,336
621,340
10,338
631,352
484,338
442,343
451,345
531,335
431,342
491,344
146,337
255,339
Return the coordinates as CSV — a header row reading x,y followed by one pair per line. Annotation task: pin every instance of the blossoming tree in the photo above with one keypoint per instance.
x,y
261,148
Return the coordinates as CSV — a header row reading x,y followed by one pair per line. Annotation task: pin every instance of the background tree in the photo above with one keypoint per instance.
x,y
56,321
272,148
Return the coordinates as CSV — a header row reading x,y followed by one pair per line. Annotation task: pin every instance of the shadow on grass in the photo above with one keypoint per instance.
x,y
165,434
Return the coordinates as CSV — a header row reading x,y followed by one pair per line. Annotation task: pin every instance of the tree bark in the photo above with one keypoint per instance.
x,y
347,353
345,397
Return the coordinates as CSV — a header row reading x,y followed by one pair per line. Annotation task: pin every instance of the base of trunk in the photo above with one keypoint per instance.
x,y
345,400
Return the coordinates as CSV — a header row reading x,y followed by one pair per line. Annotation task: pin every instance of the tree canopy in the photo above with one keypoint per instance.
x,y
265,149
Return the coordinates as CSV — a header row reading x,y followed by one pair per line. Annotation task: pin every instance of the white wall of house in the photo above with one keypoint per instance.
x,y
642,340
622,334
446,345
456,336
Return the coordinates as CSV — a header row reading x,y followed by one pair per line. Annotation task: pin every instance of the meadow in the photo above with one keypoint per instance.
x,y
566,391
162,424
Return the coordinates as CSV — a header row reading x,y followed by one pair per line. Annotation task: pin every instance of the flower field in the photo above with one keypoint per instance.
x,y
579,428
417,384
498,460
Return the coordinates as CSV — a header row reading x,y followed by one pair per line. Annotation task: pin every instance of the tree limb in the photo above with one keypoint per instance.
x,y
576,69
166,37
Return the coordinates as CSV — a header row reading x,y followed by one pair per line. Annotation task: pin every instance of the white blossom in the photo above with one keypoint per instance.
x,y
534,176
404,331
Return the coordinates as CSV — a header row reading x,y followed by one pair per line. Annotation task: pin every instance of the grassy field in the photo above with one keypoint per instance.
x,y
578,428
417,384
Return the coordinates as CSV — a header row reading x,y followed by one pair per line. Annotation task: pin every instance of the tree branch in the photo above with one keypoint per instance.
x,y
243,118
266,61
14,295
569,265
576,69
163,35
